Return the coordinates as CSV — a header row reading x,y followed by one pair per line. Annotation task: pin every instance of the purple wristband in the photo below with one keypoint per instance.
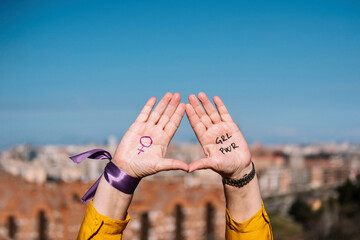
x,y
113,175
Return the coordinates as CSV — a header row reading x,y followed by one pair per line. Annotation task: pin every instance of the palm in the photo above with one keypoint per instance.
x,y
160,138
216,130
151,134
224,145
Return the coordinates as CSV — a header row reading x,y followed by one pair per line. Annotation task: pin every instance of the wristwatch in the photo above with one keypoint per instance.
x,y
242,181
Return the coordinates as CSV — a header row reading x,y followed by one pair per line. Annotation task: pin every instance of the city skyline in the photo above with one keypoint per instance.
x,y
53,185
74,73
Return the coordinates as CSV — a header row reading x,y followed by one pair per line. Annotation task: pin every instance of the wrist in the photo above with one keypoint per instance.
x,y
243,202
125,167
116,177
240,182
241,171
110,202
242,192
120,179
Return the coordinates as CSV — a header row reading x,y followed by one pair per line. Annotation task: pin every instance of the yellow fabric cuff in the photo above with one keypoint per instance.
x,y
259,220
96,224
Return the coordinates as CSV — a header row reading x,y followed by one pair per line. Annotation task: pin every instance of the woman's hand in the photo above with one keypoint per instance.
x,y
225,147
142,149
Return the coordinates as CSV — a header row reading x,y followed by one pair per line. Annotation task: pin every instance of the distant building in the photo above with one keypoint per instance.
x,y
40,189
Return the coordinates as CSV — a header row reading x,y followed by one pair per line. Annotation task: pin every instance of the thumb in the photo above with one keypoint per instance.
x,y
167,164
203,163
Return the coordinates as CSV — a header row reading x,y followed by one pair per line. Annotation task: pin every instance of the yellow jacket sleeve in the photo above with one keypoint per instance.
x,y
96,226
258,227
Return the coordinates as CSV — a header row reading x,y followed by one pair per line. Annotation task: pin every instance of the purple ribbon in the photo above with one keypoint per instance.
x,y
113,175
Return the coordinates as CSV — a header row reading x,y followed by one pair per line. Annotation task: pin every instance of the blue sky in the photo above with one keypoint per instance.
x,y
79,71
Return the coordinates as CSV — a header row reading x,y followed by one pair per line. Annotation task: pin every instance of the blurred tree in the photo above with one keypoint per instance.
x,y
349,193
338,218
301,212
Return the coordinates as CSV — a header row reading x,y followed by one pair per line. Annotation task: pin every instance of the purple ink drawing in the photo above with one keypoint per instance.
x,y
142,144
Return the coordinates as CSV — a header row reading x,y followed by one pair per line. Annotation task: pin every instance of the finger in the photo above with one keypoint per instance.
x,y
175,120
204,118
175,100
167,164
144,114
204,163
196,124
159,109
209,108
224,114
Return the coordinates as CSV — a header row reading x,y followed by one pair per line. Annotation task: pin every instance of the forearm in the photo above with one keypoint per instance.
x,y
246,217
106,216
110,202
245,201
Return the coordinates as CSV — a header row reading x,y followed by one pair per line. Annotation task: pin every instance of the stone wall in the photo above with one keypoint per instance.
x,y
157,198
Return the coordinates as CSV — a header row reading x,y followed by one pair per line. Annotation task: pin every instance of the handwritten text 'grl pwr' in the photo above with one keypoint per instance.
x,y
221,140
144,145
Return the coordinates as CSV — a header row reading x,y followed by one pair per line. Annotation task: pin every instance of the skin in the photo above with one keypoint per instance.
x,y
209,123
161,123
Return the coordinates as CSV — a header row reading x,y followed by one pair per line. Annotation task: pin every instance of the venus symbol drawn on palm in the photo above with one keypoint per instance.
x,y
143,145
